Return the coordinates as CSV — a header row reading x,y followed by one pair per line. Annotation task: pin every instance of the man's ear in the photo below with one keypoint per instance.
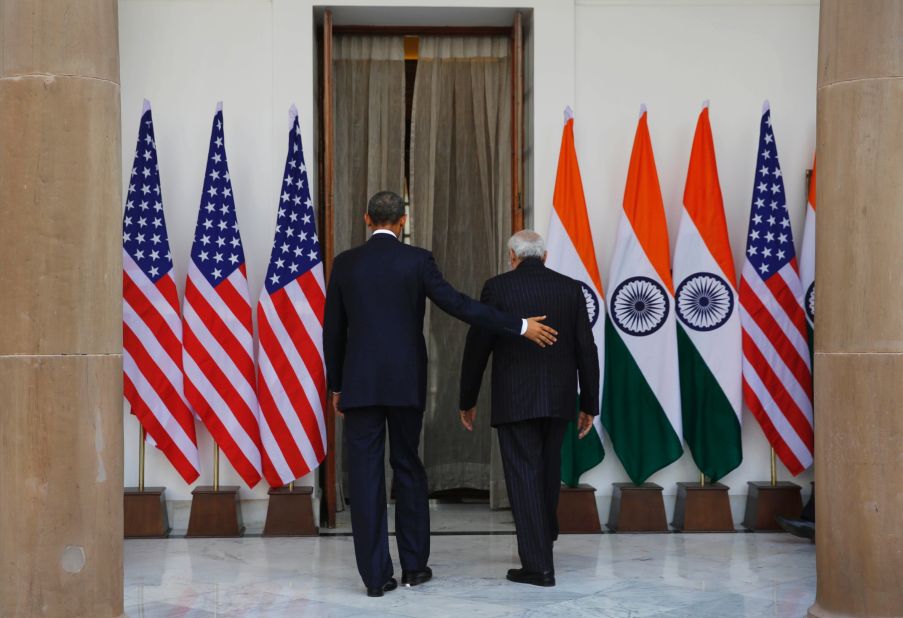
x,y
545,254
368,220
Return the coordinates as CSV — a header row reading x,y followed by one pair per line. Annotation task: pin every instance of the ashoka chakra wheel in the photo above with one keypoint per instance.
x,y
810,302
639,306
704,301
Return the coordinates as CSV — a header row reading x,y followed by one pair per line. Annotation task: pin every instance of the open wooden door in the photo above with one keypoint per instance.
x,y
328,476
327,196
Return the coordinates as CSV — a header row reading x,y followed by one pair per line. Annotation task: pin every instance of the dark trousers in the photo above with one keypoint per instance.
x,y
365,432
531,457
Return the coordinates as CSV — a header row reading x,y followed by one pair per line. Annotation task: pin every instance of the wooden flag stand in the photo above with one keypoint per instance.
x,y
577,510
215,510
144,508
637,508
702,507
290,512
768,499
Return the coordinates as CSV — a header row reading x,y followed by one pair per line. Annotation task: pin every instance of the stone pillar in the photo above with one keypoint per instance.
x,y
60,324
859,310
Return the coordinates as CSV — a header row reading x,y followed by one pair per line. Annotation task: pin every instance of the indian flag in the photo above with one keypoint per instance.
x,y
571,252
641,395
807,261
708,333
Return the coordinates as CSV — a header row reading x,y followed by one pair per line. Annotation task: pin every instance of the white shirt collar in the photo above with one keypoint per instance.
x,y
384,231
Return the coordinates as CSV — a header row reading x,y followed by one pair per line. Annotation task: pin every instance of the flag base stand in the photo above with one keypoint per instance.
x,y
637,508
290,512
215,512
765,500
145,513
577,510
703,508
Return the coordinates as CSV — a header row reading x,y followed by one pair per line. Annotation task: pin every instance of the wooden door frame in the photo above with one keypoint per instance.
x,y
326,167
326,191
517,123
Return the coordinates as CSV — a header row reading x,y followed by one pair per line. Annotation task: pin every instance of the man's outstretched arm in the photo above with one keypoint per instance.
x,y
468,310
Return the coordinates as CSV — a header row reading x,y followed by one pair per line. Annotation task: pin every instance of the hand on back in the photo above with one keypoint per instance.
x,y
539,333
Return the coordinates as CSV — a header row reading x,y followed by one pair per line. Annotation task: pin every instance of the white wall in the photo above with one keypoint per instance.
x,y
184,57
604,58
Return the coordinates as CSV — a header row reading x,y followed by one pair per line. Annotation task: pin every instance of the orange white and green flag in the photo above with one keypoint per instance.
x,y
708,329
571,252
641,395
807,260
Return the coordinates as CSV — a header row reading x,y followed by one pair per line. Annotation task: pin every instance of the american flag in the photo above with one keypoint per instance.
x,y
218,358
777,375
291,376
151,329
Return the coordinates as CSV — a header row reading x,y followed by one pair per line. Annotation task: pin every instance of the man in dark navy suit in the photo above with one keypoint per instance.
x,y
534,394
376,369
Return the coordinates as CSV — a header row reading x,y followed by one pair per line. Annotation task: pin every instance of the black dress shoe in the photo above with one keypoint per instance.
x,y
797,527
522,576
390,585
414,578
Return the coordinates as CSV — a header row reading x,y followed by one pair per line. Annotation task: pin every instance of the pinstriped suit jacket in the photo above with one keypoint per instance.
x,y
528,381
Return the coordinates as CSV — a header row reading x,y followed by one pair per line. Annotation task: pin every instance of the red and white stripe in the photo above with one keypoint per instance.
x,y
152,365
219,366
777,372
292,378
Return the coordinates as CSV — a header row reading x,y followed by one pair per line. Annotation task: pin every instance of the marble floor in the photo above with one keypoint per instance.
x,y
447,518
607,575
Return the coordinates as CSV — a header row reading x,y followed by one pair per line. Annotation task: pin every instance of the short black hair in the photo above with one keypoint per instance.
x,y
385,207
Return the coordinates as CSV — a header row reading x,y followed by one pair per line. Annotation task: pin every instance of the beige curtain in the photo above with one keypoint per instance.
x,y
369,144
460,184
369,128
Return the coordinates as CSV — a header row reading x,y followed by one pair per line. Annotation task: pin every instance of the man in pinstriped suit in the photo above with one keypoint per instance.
x,y
534,394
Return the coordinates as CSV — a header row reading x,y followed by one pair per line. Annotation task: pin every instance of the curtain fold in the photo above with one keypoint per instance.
x,y
369,128
460,189
369,114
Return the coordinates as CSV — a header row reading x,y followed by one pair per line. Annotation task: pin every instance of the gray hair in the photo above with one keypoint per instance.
x,y
527,244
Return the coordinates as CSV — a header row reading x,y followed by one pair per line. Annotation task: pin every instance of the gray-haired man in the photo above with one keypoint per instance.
x,y
534,394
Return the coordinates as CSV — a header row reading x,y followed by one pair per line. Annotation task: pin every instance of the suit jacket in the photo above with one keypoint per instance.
x,y
373,329
528,381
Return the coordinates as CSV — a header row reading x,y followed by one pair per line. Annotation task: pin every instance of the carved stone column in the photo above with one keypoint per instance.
x,y
60,308
859,310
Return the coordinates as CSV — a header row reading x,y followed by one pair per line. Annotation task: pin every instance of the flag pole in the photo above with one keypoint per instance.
x,y
291,487
774,469
215,467
142,439
701,478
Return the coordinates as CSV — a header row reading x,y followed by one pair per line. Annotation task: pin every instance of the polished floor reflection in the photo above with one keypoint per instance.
x,y
618,576
448,517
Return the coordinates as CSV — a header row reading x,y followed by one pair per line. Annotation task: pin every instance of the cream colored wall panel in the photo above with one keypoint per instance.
x,y
59,37
61,474
858,433
859,287
60,204
861,40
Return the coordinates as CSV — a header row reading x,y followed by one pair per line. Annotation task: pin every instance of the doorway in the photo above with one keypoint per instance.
x,y
436,114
